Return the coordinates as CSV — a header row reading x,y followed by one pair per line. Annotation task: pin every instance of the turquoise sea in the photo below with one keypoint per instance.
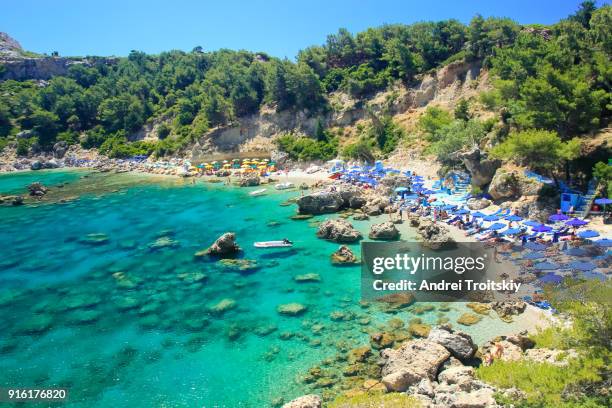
x,y
87,304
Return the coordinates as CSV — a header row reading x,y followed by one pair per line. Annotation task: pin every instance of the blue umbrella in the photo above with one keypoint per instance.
x,y
513,218
582,266
512,231
594,275
603,201
478,214
462,211
401,189
535,246
576,252
437,204
588,234
550,278
497,226
542,228
530,223
534,255
604,242
411,197
546,266
576,222
491,218
558,217
449,207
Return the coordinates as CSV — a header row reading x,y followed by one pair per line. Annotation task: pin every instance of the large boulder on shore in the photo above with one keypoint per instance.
x,y
305,401
459,344
481,169
384,231
338,231
224,246
413,361
504,185
478,203
249,180
321,202
59,149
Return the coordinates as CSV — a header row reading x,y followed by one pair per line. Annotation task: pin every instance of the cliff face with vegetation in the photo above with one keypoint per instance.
x,y
437,87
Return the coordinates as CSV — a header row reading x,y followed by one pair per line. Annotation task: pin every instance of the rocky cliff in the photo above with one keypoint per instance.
x,y
443,87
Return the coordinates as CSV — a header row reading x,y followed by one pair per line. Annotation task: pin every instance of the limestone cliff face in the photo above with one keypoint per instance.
x,y
43,68
443,87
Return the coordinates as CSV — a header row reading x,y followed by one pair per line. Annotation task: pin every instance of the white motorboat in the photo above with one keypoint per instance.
x,y
285,243
284,186
259,192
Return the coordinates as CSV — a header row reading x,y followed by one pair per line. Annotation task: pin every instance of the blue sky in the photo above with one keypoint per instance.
x,y
280,28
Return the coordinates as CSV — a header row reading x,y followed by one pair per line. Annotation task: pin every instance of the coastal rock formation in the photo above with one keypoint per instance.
x,y
59,149
305,401
291,309
384,231
504,185
460,344
343,255
434,235
555,357
478,203
249,180
482,170
37,189
338,231
508,308
375,205
390,182
224,246
321,202
413,361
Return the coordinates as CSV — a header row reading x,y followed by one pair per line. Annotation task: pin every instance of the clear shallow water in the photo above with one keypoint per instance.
x,y
120,324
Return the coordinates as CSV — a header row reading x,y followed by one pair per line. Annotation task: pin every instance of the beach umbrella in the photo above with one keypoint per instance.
x,y
542,228
582,266
513,218
425,191
401,189
462,211
576,252
490,218
551,278
512,231
449,207
478,214
588,234
606,243
558,217
576,222
535,246
437,204
594,275
546,266
534,255
530,223
496,226
604,202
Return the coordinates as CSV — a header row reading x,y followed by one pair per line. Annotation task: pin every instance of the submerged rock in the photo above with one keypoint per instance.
x,y
240,265
163,243
468,319
338,231
308,277
95,239
223,306
224,246
291,309
397,301
343,255
384,231
36,324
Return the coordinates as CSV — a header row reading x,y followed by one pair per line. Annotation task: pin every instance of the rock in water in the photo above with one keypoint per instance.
x,y
434,235
460,344
320,203
291,309
338,231
413,361
343,255
384,231
37,189
305,401
507,308
224,246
